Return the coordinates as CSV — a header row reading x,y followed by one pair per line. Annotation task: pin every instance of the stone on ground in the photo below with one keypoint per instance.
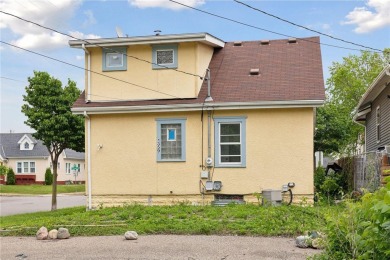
x,y
131,235
63,233
53,234
42,233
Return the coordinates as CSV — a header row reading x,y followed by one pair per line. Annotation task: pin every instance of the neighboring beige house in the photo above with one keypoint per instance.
x,y
160,129
29,159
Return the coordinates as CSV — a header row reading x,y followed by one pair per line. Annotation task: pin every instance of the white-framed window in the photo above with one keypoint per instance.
x,y
114,58
164,56
230,141
378,124
67,168
26,146
25,167
171,139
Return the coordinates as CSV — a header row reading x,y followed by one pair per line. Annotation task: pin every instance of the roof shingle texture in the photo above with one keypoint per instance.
x,y
9,148
288,72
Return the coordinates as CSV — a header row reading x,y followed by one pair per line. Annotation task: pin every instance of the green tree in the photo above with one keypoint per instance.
x,y
336,132
48,110
11,180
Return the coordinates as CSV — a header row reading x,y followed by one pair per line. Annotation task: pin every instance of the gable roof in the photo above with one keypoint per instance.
x,y
373,91
10,148
290,73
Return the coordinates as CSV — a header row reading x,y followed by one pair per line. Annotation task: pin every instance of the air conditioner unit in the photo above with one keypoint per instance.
x,y
272,197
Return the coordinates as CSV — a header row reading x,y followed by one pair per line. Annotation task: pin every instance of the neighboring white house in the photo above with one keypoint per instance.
x,y
29,159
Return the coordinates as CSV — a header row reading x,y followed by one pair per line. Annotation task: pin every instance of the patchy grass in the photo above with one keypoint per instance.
x,y
40,189
249,220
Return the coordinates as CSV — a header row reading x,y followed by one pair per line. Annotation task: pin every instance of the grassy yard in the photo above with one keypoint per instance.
x,y
40,189
250,220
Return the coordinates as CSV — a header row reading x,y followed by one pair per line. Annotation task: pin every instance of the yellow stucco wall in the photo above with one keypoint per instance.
x,y
192,58
279,149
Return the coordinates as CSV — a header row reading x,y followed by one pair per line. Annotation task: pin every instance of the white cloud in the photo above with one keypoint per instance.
x,y
90,18
375,15
53,14
80,57
80,35
165,3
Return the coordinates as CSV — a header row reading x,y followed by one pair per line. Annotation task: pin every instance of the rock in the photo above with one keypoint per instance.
x,y
63,233
303,241
314,234
53,234
42,233
318,243
131,235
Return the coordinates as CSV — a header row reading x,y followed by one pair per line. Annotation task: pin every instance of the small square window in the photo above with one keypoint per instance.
x,y
114,58
171,134
164,56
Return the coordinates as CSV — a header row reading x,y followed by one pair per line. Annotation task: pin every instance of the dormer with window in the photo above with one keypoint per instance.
x,y
146,68
26,143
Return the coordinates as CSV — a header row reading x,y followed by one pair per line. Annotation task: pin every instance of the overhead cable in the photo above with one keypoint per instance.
x,y
304,27
98,73
266,30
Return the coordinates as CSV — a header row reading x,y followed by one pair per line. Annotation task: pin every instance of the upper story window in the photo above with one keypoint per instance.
x,y
171,138
230,141
164,55
26,146
378,124
114,58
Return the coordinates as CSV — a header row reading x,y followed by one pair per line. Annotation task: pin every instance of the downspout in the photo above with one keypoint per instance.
x,y
89,160
208,99
88,98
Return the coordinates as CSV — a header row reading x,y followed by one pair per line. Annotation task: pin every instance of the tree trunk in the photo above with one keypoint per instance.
x,y
54,184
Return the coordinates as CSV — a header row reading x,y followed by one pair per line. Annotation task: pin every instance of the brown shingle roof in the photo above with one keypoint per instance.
x,y
287,72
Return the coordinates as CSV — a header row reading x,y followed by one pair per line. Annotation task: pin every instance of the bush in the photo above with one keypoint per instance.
x,y
48,177
3,170
11,180
362,230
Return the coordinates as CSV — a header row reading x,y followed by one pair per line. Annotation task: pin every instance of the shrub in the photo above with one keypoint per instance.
x,y
48,177
3,170
362,230
11,180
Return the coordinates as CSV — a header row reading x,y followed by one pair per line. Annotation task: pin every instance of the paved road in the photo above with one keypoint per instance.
x,y
11,205
154,247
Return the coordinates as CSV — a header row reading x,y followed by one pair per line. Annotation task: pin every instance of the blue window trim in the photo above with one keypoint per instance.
x,y
111,50
181,121
233,119
156,48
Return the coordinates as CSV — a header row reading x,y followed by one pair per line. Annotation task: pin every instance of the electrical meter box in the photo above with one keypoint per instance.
x,y
204,174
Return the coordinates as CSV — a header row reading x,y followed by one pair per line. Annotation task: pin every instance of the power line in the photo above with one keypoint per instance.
x,y
98,73
304,27
263,29
12,79
103,47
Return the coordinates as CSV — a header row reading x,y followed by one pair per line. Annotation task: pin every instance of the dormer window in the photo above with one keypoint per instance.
x,y
114,58
26,143
26,146
164,56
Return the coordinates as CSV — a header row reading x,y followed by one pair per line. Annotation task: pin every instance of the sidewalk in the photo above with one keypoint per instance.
x,y
154,247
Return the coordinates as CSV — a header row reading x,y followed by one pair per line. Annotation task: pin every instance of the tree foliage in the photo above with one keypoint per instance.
x,y
336,132
48,110
11,179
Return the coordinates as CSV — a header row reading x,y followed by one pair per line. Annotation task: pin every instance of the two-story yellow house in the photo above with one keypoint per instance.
x,y
189,117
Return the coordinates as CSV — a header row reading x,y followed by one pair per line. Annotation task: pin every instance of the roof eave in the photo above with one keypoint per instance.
x,y
205,38
199,106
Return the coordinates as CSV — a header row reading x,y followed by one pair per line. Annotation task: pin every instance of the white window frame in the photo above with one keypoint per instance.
x,y
378,124
120,51
23,167
218,121
67,168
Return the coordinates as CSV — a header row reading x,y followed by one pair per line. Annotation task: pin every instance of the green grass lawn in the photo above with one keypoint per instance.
x,y
249,220
40,189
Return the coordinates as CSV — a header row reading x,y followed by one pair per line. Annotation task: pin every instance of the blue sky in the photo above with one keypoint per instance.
x,y
363,22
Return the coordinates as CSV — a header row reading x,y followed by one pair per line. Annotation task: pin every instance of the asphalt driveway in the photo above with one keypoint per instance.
x,y
11,205
154,247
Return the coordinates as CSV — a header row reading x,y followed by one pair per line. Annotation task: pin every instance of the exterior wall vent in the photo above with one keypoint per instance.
x,y
292,40
264,42
254,72
237,43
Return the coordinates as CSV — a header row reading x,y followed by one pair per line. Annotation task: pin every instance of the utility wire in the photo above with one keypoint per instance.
x,y
265,30
304,27
98,73
103,47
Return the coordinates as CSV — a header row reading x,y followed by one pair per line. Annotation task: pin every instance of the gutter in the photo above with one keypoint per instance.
x,y
198,107
88,74
89,160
